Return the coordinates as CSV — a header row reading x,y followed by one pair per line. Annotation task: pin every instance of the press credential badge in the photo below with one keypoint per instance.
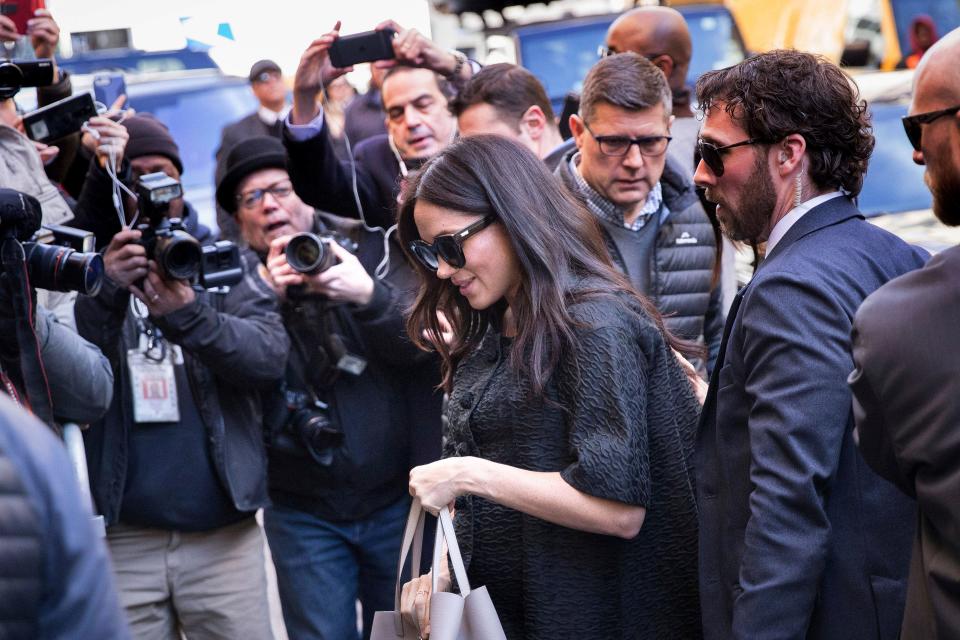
x,y
154,387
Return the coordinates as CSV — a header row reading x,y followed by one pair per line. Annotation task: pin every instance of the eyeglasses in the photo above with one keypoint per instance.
x,y
913,125
617,146
254,198
449,247
604,51
713,155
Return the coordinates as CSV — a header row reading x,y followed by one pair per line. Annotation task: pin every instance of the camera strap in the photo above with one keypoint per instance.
x,y
32,373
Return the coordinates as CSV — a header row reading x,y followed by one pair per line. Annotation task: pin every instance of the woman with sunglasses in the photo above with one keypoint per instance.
x,y
571,423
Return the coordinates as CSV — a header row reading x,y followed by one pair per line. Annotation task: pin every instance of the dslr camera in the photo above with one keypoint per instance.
x,y
307,427
177,253
311,254
16,74
57,258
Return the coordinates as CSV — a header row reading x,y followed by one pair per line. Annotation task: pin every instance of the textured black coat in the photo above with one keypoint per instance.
x,y
681,266
617,422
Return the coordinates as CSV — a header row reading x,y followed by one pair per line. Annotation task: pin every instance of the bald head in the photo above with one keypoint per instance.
x,y
656,33
937,80
937,90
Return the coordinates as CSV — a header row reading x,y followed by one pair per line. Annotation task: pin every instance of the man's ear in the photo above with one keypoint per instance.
x,y
577,128
533,122
665,63
790,153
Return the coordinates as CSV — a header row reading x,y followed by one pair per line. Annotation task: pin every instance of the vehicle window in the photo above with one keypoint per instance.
x,y
561,56
893,182
715,44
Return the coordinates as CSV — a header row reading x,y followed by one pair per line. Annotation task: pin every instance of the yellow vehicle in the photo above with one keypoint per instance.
x,y
860,33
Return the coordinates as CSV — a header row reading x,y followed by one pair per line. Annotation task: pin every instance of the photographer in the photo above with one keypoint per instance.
x,y
177,466
415,92
70,373
361,408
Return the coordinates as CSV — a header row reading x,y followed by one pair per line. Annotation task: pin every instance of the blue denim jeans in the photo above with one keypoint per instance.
x,y
324,567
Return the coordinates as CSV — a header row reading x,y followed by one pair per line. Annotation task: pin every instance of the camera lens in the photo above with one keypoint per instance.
x,y
318,434
59,268
308,253
179,255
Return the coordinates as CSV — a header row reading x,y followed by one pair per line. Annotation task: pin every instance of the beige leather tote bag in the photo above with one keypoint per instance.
x,y
468,615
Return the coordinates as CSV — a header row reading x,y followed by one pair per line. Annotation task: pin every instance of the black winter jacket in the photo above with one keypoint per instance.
x,y
324,182
681,269
389,414
234,347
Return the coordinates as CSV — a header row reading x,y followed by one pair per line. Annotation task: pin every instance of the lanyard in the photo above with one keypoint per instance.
x,y
148,334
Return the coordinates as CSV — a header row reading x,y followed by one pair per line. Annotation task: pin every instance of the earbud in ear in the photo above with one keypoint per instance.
x,y
783,158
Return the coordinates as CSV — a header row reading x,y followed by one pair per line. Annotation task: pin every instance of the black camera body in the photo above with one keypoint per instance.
x,y
178,254
307,427
16,74
57,258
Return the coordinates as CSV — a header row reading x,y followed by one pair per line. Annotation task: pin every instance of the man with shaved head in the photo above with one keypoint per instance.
x,y
906,351
660,34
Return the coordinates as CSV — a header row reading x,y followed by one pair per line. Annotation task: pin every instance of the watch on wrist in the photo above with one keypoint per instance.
x,y
458,67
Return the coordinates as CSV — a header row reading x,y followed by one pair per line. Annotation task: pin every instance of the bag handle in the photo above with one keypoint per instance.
x,y
412,535
445,531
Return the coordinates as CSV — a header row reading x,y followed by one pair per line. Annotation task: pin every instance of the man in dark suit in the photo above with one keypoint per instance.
x,y
798,538
906,387
266,82
415,92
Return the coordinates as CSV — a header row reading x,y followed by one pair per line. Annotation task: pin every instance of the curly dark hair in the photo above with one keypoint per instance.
x,y
777,93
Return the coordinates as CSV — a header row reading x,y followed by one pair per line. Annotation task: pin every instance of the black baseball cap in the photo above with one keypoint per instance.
x,y
263,66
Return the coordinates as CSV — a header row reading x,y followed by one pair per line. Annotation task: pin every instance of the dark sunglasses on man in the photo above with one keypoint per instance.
x,y
449,246
712,155
913,125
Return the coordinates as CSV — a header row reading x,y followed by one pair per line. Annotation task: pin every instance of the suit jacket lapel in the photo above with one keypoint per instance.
x,y
823,215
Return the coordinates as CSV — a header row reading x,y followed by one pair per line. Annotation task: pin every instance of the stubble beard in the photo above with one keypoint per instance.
x,y
946,196
749,222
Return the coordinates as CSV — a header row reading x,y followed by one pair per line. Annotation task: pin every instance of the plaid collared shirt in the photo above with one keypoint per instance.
x,y
607,210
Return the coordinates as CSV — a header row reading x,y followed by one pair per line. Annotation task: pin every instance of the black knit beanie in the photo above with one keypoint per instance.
x,y
149,136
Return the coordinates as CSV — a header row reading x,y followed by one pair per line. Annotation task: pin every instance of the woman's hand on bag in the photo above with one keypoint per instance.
x,y
415,604
439,483
415,599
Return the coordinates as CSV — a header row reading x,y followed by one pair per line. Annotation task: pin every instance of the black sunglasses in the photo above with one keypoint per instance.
x,y
449,246
713,155
913,125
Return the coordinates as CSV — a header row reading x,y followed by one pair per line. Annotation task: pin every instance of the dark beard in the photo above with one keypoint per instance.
x,y
749,223
946,197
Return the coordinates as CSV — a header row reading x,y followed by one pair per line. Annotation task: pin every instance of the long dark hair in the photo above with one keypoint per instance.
x,y
556,242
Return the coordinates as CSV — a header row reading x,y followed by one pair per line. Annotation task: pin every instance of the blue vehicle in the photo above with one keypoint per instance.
x,y
560,53
134,61
196,107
